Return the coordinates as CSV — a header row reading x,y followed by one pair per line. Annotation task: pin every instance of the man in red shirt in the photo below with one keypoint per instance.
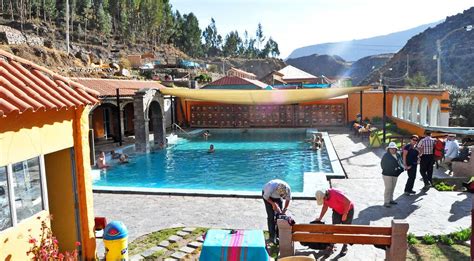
x,y
342,209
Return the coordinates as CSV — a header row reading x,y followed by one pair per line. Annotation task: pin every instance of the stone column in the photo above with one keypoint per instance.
x,y
141,122
287,247
398,248
122,127
444,119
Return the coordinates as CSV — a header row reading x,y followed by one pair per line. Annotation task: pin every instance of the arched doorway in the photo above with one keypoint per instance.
x,y
395,106
424,112
105,121
407,115
400,107
434,112
415,111
156,124
128,118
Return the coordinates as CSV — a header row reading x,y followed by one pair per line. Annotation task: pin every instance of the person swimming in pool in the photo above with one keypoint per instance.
x,y
211,149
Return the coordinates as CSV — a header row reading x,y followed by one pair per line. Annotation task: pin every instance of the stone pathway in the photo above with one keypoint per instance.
x,y
181,246
432,212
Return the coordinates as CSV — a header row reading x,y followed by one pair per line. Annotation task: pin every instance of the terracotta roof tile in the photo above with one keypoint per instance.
x,y
26,86
108,87
233,80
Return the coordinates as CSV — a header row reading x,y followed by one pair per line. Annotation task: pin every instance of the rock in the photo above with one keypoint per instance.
x,y
178,255
84,57
200,239
136,258
182,233
186,249
189,229
174,239
194,244
164,243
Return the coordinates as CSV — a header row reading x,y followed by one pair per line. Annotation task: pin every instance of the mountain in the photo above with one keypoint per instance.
x,y
318,65
357,49
457,59
364,66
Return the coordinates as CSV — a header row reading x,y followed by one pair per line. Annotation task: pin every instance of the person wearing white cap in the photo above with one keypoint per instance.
x,y
392,167
273,192
451,151
342,210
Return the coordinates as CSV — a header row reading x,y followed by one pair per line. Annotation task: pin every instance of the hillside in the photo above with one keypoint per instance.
x,y
357,49
318,65
457,54
363,67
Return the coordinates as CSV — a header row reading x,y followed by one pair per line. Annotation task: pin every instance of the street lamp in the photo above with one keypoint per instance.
x,y
438,47
384,113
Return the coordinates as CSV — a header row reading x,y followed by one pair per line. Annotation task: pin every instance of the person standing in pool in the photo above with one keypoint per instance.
x,y
211,149
273,192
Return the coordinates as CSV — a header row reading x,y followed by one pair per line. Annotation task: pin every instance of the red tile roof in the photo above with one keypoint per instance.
x,y
27,86
233,80
107,87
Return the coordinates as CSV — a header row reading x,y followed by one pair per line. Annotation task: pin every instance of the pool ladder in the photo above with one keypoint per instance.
x,y
181,129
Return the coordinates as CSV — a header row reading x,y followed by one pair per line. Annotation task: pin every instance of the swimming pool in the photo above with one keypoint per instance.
x,y
243,161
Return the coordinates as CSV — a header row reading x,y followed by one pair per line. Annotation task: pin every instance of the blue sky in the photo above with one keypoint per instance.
x,y
298,23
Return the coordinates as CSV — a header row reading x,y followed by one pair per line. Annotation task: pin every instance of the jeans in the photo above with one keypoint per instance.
x,y
390,183
426,168
411,178
271,217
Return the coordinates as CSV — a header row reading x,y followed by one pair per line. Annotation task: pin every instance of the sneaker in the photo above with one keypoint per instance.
x,y
393,202
387,205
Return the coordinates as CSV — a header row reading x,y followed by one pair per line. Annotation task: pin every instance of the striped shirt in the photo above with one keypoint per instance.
x,y
427,145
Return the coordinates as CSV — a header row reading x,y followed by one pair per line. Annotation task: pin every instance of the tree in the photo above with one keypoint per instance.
x,y
212,40
462,103
190,41
232,44
271,48
104,20
260,37
418,80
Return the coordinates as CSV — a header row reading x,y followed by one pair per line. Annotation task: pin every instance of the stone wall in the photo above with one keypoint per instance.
x,y
12,36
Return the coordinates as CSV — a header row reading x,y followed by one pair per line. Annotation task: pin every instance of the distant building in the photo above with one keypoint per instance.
x,y
236,83
241,73
273,78
293,75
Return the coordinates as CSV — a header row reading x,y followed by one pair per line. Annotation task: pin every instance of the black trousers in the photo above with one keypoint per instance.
x,y
411,178
271,217
426,168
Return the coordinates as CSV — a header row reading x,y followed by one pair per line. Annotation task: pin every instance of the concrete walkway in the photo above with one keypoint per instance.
x,y
431,212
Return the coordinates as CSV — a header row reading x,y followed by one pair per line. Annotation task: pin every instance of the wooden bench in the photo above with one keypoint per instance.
x,y
394,237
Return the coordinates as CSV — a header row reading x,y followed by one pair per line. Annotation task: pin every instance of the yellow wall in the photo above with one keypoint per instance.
x,y
59,168
31,134
14,241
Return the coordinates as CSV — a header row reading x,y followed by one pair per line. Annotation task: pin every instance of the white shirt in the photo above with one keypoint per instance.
x,y
451,149
269,190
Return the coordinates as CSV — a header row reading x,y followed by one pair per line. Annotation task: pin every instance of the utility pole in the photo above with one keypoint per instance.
x,y
438,60
408,66
67,26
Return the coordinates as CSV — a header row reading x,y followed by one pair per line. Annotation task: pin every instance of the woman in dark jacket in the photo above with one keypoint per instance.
x,y
392,167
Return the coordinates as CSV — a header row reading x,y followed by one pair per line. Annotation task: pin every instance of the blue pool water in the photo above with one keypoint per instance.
x,y
241,162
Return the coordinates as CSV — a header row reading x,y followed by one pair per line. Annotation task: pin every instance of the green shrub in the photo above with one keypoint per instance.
x,y
412,240
444,187
462,235
446,239
429,239
376,120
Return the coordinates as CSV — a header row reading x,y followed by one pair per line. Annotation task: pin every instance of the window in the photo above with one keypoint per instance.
x,y
5,210
27,188
21,191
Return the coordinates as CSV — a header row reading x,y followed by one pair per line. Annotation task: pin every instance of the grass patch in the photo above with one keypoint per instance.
x,y
153,239
412,240
150,240
441,186
438,251
429,239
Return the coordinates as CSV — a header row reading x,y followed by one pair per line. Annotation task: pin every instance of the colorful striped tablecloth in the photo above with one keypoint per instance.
x,y
242,245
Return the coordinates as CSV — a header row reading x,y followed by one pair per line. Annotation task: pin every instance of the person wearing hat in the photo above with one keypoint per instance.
x,y
342,209
426,146
273,192
451,151
410,162
392,167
